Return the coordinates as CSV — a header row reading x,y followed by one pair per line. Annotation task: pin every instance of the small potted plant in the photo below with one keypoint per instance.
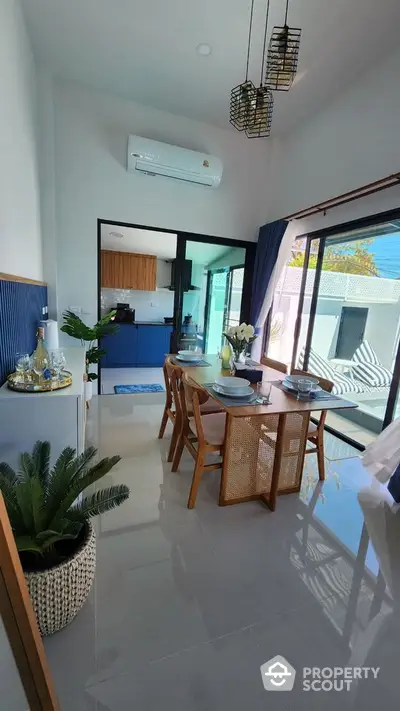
x,y
240,338
76,328
52,529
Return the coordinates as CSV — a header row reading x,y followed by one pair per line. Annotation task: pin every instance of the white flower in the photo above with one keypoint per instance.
x,y
248,332
232,331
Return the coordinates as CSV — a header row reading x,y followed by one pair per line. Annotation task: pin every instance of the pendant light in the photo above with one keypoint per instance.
x,y
262,103
242,94
283,56
251,107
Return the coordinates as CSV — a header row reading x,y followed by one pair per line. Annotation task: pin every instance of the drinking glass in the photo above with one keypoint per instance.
x,y
58,362
264,392
22,365
304,387
39,364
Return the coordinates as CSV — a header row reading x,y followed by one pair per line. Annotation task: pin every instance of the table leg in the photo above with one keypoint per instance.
x,y
270,499
264,457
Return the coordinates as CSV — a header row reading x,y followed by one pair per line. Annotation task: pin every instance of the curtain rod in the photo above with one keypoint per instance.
x,y
363,191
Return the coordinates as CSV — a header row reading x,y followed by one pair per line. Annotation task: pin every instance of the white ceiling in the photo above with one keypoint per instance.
x,y
159,244
145,49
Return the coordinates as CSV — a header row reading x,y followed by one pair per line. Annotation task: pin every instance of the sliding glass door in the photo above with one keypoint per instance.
x,y
213,295
350,324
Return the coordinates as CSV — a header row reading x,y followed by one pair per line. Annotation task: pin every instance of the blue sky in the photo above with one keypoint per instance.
x,y
386,250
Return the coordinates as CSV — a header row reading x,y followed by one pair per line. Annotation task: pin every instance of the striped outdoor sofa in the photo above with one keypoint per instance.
x,y
368,376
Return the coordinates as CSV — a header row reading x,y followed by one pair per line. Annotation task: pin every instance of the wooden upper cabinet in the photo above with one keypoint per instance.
x,y
122,270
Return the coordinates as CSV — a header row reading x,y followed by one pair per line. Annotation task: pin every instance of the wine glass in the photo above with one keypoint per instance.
x,y
22,365
39,364
58,362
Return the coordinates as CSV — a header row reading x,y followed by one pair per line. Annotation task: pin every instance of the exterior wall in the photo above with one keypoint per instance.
x,y
337,290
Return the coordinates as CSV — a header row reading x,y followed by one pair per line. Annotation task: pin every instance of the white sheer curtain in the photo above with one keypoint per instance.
x,y
293,230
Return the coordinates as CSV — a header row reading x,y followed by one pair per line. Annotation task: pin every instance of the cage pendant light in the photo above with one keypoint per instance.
x,y
259,119
242,95
283,56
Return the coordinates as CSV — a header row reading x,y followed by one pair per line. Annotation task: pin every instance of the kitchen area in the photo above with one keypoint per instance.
x,y
135,280
139,275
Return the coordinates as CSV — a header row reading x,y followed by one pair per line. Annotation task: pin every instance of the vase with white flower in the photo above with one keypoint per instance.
x,y
240,338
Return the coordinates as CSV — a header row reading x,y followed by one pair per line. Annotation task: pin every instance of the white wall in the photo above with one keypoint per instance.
x,y
90,140
20,236
354,140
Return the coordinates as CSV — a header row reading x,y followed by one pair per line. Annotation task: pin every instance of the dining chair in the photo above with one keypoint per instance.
x,y
172,409
276,364
315,433
200,433
170,371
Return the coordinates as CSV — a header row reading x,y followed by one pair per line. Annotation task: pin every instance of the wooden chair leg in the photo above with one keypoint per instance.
x,y
321,460
197,475
178,454
174,439
163,425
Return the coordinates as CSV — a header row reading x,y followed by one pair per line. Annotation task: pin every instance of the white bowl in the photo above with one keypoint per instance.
x,y
232,384
189,355
294,379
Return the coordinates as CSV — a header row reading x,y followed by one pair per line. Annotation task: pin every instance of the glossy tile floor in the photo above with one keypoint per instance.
x,y
187,605
129,376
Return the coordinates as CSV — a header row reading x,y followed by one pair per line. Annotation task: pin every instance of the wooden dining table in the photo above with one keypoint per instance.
x,y
264,444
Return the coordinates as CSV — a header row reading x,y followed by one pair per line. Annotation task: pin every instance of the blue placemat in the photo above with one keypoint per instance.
x,y
319,395
230,401
185,363
134,389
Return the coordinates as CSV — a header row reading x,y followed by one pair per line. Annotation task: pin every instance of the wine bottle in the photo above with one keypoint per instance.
x,y
41,358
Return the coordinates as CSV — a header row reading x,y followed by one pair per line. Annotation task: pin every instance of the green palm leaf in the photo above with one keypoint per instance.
x,y
41,461
30,498
66,471
99,502
8,473
27,466
27,544
90,477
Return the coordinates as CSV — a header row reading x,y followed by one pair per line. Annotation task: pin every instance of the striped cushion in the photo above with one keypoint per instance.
x,y
375,375
369,369
318,365
365,352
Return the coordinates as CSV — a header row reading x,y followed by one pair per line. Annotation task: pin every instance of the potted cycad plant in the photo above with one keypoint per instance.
x,y
76,328
52,529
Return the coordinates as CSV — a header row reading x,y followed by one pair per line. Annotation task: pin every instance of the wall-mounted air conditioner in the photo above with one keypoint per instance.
x,y
154,158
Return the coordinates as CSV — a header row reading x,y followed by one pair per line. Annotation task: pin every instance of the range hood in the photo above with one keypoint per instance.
x,y
187,277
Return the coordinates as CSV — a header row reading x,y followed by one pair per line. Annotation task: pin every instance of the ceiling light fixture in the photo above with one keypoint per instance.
x,y
204,49
283,56
116,235
251,108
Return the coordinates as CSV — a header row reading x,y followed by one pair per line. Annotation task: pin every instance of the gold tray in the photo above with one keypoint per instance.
x,y
13,382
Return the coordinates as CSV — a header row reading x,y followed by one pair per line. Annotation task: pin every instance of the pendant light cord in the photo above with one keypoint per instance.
x,y
249,42
286,13
265,44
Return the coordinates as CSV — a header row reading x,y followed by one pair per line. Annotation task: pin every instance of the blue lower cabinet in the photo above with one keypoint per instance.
x,y
153,343
120,347
135,346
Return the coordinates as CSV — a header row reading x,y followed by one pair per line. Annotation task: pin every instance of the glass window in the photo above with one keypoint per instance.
x,y
356,329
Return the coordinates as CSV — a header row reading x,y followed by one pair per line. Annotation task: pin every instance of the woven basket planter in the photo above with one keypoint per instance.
x,y
59,593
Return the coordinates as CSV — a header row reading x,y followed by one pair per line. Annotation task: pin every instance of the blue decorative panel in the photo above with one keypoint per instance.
x,y
20,312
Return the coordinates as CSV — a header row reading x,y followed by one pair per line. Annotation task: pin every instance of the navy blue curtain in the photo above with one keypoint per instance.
x,y
269,241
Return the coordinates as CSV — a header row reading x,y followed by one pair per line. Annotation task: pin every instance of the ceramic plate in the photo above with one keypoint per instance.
x,y
246,392
197,359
